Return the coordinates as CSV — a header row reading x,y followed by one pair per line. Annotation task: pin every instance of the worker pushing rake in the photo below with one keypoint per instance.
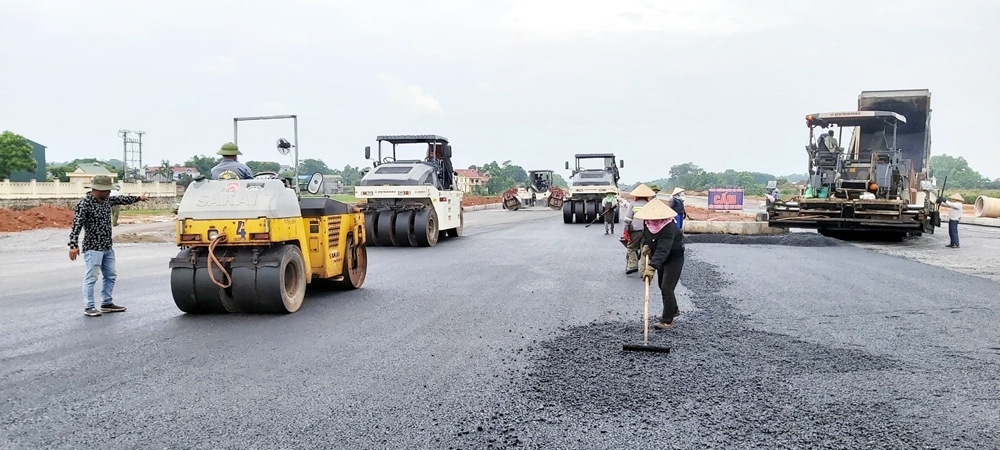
x,y
663,254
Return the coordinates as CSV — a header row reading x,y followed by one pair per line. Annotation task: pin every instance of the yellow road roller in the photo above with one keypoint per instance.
x,y
253,245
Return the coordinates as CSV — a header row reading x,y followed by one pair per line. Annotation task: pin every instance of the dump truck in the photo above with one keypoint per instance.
x,y
880,183
255,245
589,185
411,202
539,190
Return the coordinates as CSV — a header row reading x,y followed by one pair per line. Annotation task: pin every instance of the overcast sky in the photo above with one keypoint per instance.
x,y
723,84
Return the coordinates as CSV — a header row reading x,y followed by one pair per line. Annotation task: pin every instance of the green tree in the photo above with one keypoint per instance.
x,y
165,171
263,166
503,176
959,174
559,182
203,163
311,166
351,175
15,155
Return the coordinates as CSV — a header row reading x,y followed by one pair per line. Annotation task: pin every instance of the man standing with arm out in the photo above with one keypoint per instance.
x,y
642,195
954,215
93,215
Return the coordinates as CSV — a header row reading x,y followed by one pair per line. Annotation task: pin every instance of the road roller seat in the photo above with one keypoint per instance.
x,y
237,200
322,206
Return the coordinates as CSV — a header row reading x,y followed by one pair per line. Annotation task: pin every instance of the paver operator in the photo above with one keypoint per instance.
x,y
93,215
608,206
634,227
230,168
663,244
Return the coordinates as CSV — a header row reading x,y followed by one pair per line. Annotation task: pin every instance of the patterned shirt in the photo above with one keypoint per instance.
x,y
94,218
231,170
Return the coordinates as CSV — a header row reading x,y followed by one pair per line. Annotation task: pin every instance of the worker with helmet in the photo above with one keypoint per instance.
x,y
642,194
230,168
608,207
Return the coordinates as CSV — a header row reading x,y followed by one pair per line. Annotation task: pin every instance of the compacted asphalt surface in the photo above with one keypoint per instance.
x,y
511,336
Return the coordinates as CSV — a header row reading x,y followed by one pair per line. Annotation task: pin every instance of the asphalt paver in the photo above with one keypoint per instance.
x,y
511,337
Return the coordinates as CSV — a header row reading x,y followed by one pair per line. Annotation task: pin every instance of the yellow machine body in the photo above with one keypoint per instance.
x,y
242,228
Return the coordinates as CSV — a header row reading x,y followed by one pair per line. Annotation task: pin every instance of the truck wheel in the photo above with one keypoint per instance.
x,y
425,226
355,265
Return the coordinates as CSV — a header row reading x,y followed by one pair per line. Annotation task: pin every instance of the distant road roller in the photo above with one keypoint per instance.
x,y
253,246
412,202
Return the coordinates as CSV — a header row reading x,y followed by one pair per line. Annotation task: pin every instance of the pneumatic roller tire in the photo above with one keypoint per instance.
x,y
182,289
595,207
355,265
403,229
384,235
425,226
581,212
567,210
370,221
457,231
245,289
210,296
282,288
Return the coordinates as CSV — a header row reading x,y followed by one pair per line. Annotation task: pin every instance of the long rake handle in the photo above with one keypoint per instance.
x,y
645,311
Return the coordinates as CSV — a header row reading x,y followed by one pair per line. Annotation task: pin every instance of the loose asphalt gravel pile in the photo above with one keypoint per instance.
x,y
723,384
790,239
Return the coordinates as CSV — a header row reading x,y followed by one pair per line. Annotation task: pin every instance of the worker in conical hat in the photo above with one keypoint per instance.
x,y
954,204
676,203
633,227
663,249
608,206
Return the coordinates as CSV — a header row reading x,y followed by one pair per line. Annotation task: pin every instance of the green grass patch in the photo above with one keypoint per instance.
x,y
147,212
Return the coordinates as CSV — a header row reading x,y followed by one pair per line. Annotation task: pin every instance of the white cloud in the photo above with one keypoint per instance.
x,y
410,96
560,19
486,86
275,108
221,65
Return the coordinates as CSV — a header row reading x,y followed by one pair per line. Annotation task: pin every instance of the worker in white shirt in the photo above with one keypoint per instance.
x,y
954,215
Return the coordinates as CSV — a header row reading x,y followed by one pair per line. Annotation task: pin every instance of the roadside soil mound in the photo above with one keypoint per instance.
x,y
32,219
476,201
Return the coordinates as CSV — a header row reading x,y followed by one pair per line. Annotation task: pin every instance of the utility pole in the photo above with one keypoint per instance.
x,y
131,155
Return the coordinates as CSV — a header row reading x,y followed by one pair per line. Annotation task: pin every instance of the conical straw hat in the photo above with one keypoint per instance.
x,y
956,197
643,191
677,190
655,210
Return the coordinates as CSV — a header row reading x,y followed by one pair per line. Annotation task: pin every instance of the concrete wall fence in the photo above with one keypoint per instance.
x,y
25,195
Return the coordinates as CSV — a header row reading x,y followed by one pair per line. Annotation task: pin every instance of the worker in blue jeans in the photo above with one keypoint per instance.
x,y
954,215
93,216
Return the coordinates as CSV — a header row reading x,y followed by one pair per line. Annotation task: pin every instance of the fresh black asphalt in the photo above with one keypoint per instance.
x,y
511,337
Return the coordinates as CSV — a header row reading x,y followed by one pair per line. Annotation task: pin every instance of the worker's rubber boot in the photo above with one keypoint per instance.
x,y
632,262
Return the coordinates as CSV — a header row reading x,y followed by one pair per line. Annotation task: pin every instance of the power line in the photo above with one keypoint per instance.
x,y
131,154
